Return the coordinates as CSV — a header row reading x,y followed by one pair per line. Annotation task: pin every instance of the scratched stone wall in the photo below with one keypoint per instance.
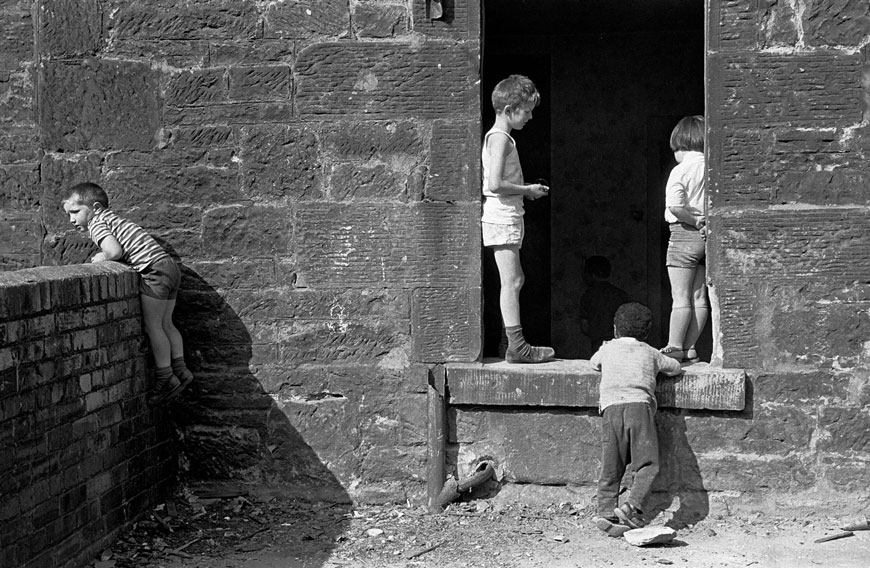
x,y
788,105
312,164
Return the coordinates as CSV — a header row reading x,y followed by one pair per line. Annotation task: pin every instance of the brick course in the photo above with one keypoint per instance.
x,y
84,454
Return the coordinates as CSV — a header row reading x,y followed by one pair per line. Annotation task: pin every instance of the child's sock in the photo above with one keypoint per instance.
x,y
516,341
519,351
180,369
164,376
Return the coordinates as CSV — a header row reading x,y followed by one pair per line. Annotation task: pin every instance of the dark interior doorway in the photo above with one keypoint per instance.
x,y
615,76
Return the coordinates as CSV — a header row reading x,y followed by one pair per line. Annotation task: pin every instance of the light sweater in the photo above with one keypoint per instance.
x,y
686,186
628,372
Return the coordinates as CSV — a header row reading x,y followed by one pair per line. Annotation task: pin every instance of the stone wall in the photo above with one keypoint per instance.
x,y
313,165
788,104
81,454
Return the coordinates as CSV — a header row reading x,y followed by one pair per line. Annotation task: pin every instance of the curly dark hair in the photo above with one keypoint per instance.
x,y
633,320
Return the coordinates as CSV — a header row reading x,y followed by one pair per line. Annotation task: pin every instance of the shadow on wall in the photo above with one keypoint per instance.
x,y
679,489
230,428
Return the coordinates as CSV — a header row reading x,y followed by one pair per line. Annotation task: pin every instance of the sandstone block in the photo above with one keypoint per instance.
x,y
844,430
349,182
262,83
19,143
366,244
307,19
229,113
69,28
169,20
280,162
20,239
753,475
812,90
380,20
19,187
386,81
535,447
16,42
197,87
452,176
322,341
842,23
228,53
393,141
239,230
97,105
446,324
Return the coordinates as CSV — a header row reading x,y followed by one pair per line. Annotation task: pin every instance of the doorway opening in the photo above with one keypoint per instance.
x,y
615,76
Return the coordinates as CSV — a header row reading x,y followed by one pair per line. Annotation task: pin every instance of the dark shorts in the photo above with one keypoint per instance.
x,y
686,247
160,280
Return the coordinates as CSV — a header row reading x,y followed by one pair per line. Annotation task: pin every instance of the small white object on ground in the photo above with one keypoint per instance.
x,y
649,535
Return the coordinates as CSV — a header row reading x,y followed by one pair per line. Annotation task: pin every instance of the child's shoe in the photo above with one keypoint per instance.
x,y
629,516
611,526
673,352
691,356
535,355
162,394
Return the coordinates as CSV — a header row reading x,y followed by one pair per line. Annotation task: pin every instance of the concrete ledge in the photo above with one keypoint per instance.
x,y
573,383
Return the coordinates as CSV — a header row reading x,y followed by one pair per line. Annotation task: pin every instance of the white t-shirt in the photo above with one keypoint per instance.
x,y
686,186
505,209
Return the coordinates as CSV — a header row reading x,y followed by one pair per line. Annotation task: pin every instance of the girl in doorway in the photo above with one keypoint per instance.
x,y
685,211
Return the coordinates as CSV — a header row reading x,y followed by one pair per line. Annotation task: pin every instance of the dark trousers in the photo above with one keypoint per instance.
x,y
628,435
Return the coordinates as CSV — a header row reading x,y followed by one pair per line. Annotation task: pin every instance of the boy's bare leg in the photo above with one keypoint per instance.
x,y
510,271
176,345
153,311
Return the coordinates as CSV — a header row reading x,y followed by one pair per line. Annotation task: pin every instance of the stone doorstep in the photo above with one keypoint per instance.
x,y
573,383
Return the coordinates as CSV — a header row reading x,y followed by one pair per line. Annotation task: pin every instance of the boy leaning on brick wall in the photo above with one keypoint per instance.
x,y
124,241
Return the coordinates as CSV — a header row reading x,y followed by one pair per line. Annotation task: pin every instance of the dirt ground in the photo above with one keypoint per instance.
x,y
238,529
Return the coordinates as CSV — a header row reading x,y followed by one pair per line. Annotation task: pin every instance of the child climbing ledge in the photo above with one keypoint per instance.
x,y
534,443
573,383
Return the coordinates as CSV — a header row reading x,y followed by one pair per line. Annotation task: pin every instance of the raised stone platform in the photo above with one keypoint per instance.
x,y
573,383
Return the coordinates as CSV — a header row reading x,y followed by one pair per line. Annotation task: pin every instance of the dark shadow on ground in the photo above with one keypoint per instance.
x,y
231,430
679,487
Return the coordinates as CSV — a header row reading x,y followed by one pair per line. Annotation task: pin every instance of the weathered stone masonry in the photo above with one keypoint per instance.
x,y
314,165
308,163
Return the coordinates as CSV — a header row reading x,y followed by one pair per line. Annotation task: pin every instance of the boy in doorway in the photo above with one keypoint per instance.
x,y
121,240
599,302
504,189
627,403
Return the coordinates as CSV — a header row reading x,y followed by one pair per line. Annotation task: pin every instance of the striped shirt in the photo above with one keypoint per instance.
x,y
140,248
628,371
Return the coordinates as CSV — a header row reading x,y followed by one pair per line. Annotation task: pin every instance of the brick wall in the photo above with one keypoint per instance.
x,y
81,454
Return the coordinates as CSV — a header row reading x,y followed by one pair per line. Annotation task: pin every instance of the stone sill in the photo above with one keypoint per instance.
x,y
573,383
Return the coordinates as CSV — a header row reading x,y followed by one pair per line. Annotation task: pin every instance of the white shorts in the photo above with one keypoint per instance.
x,y
501,235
